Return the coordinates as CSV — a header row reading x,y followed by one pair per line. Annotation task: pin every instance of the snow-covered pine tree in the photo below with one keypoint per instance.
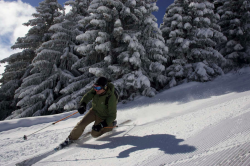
x,y
50,68
235,24
81,77
175,27
19,63
155,58
116,39
191,32
16,69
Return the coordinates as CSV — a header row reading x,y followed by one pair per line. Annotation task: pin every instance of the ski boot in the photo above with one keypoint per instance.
x,y
114,123
65,143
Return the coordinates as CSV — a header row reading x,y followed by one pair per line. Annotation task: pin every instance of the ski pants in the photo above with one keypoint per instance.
x,y
86,120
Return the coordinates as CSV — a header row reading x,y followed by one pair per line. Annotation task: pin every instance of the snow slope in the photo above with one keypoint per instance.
x,y
191,124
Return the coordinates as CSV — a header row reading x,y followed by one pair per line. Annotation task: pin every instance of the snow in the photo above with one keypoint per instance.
x,y
204,33
157,67
175,10
173,24
179,40
190,124
127,11
133,3
126,38
199,13
207,21
96,71
143,9
200,6
239,32
235,21
159,44
148,20
103,9
185,44
177,17
231,43
103,48
172,34
118,23
100,23
187,25
238,47
233,55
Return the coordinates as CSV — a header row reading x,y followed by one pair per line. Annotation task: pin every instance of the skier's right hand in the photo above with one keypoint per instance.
x,y
82,108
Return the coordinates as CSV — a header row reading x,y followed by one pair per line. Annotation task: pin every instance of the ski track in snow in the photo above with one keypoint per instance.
x,y
192,124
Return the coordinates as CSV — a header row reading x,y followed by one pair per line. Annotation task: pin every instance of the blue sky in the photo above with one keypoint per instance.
x,y
12,15
162,4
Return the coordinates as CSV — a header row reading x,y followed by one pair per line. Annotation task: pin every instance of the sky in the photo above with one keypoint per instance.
x,y
13,13
162,4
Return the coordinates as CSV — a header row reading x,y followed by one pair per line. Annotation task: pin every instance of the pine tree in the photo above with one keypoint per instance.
x,y
17,69
125,45
175,27
70,98
191,32
19,64
155,58
37,90
235,25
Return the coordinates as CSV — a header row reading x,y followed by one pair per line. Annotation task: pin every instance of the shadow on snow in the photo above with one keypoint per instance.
x,y
169,144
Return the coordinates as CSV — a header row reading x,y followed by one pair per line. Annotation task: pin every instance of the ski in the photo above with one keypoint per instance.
x,y
37,158
83,138
63,145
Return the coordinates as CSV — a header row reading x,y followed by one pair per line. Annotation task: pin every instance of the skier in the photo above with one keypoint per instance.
x,y
103,111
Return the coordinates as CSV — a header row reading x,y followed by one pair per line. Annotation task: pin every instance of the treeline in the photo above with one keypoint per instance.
x,y
62,54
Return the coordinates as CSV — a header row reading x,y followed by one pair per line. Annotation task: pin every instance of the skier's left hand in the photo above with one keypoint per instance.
x,y
82,108
99,126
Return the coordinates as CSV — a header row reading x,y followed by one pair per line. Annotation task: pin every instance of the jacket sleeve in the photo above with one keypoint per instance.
x,y
88,96
112,109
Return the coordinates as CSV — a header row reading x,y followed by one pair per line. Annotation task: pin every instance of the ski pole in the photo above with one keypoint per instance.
x,y
122,124
116,126
25,136
110,127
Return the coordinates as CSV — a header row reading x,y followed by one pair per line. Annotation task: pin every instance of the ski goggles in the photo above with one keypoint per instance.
x,y
97,87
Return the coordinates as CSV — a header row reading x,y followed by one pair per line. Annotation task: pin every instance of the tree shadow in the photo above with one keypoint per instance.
x,y
169,144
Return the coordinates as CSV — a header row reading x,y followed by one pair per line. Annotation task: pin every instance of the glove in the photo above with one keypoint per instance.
x,y
99,126
82,108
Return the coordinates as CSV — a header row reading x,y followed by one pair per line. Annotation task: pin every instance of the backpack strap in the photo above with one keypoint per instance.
x,y
107,100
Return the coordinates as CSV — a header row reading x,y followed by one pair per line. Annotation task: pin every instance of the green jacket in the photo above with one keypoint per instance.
x,y
105,112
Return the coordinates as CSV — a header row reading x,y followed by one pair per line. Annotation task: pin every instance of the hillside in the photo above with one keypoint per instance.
x,y
191,124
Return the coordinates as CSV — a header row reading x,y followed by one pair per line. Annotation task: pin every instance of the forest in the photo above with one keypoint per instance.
x,y
63,53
